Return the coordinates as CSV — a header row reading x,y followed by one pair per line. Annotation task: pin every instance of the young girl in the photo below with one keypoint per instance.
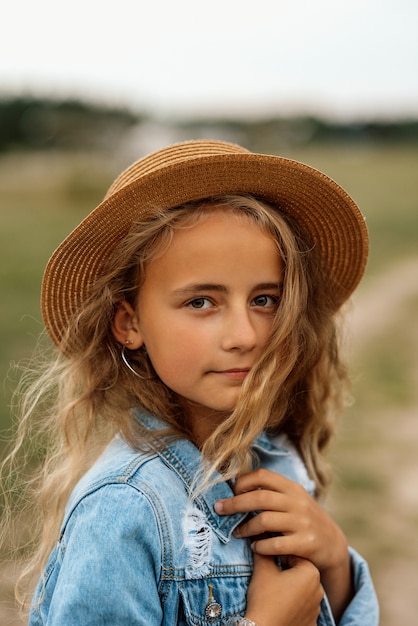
x,y
196,384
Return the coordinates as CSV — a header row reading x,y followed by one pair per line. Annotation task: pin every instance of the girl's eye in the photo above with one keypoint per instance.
x,y
200,303
265,301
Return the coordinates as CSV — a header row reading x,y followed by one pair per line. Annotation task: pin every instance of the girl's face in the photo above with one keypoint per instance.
x,y
205,313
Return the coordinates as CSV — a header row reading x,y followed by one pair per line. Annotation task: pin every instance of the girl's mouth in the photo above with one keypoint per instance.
x,y
235,373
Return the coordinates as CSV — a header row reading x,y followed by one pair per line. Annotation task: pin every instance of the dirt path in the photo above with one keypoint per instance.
x,y
378,304
379,307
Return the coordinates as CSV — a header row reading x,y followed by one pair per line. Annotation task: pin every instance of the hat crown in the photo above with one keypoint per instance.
x,y
171,156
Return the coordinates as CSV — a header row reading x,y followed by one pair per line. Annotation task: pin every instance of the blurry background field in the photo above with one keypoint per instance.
x,y
57,178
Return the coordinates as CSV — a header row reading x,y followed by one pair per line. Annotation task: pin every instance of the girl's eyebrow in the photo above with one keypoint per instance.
x,y
198,287
201,287
269,286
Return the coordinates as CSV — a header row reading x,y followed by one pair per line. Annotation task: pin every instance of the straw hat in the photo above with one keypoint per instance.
x,y
197,169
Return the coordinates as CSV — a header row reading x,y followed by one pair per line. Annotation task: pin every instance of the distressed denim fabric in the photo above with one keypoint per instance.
x,y
133,549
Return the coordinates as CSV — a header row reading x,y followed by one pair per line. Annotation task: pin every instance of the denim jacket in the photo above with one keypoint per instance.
x,y
134,550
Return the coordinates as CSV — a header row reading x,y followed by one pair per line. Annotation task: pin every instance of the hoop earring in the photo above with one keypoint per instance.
x,y
129,366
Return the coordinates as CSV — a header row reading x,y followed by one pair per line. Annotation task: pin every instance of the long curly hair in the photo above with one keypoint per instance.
x,y
71,410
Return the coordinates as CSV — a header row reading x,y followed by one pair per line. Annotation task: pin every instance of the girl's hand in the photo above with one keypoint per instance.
x,y
290,597
295,525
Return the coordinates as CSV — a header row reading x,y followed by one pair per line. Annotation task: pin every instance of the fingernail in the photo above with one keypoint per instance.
x,y
219,507
253,545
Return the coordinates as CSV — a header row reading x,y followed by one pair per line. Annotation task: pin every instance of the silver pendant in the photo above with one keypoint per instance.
x,y
213,608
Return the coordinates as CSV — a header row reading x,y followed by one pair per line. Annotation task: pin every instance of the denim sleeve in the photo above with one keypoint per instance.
x,y
363,610
108,565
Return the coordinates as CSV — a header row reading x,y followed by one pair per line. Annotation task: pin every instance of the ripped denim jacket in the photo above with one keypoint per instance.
x,y
133,550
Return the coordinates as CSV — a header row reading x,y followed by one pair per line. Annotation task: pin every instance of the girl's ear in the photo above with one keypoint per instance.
x,y
125,327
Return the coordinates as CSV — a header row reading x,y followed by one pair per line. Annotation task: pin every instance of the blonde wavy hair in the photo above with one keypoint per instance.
x,y
71,410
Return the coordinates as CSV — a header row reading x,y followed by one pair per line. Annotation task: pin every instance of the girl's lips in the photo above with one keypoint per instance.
x,y
235,374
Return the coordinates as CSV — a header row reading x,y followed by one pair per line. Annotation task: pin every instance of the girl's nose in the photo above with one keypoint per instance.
x,y
239,332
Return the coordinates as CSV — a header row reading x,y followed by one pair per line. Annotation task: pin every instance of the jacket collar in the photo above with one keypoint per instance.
x,y
185,460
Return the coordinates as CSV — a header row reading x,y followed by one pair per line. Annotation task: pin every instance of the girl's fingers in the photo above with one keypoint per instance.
x,y
269,564
262,490
266,522
263,479
290,596
258,500
278,546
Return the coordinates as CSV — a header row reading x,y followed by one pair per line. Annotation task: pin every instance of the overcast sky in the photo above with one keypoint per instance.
x,y
347,58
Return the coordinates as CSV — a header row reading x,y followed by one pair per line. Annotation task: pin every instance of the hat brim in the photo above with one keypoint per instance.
x,y
319,205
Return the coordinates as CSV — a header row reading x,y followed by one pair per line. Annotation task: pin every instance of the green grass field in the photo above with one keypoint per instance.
x,y
374,496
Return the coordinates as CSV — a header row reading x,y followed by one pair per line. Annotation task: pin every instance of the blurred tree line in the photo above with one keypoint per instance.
x,y
39,123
